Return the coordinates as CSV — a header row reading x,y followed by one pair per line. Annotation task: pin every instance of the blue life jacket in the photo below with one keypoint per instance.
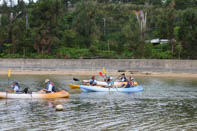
x,y
123,79
92,82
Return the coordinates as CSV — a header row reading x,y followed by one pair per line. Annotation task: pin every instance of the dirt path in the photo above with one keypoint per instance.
x,y
113,73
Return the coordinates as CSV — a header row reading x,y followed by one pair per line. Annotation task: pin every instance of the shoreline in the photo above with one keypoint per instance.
x,y
96,73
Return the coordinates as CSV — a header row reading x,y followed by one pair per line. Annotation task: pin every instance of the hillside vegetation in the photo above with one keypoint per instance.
x,y
98,29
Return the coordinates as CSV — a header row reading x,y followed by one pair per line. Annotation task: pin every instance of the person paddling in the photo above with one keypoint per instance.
x,y
92,81
123,78
130,83
50,88
14,87
110,82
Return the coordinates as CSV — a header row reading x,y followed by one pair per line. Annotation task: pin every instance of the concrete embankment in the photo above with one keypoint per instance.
x,y
135,65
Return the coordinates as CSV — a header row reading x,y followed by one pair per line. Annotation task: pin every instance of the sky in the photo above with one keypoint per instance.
x,y
15,1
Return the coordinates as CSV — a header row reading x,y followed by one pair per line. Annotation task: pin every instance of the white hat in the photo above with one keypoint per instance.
x,y
132,78
47,80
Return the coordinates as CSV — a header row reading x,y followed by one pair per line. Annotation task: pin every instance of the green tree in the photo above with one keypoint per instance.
x,y
188,32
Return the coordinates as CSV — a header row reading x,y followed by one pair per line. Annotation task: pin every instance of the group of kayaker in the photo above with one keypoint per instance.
x,y
50,88
15,87
110,81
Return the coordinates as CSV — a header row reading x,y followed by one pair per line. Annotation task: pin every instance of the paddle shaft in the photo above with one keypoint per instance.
x,y
8,81
9,74
75,79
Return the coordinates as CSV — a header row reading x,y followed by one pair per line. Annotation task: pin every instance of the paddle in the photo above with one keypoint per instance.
x,y
75,79
101,74
9,74
104,71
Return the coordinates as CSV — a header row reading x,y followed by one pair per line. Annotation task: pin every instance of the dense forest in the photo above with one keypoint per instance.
x,y
98,29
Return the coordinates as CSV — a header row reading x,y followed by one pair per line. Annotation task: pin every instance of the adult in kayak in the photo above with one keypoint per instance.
x,y
92,81
130,83
123,78
14,87
50,88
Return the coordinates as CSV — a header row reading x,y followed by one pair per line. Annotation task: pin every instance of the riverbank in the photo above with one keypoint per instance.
x,y
96,73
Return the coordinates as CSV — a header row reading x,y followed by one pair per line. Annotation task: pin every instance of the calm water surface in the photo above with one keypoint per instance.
x,y
165,104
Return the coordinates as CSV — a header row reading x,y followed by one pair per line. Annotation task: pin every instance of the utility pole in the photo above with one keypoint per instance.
x,y
0,19
104,20
104,25
27,20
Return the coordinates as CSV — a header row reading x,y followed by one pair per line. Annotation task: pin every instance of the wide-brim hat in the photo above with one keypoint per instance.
x,y
47,80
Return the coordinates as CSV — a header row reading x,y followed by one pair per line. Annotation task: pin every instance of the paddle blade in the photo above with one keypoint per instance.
x,y
100,73
104,71
9,72
75,79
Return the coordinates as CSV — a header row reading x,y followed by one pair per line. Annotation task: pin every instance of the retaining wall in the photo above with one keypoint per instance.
x,y
151,65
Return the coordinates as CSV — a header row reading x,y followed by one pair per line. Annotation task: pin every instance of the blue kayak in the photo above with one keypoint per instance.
x,y
86,88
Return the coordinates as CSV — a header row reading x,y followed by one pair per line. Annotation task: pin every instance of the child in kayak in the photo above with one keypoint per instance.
x,y
110,82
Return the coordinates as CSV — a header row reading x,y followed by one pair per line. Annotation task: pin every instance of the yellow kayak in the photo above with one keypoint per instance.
x,y
37,95
121,83
74,86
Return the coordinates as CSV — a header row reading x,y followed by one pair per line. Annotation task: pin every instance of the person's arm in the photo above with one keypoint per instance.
x,y
124,85
126,79
43,90
132,83
95,82
111,84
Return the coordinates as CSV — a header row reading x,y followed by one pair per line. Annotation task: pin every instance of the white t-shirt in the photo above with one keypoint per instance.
x,y
15,88
50,87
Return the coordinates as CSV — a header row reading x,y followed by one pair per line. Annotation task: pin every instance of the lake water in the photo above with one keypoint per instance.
x,y
165,104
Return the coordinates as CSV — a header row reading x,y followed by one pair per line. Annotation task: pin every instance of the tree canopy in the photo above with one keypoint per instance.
x,y
98,29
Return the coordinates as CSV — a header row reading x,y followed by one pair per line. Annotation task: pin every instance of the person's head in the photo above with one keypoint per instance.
x,y
46,81
131,78
123,74
108,78
15,82
93,77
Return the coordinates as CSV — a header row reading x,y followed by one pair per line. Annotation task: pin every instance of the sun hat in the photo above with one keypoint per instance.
x,y
131,78
47,80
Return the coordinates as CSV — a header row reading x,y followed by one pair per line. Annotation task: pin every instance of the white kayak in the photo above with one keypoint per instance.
x,y
86,88
59,94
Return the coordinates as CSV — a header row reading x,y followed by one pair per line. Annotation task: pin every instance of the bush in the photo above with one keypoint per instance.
x,y
72,53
